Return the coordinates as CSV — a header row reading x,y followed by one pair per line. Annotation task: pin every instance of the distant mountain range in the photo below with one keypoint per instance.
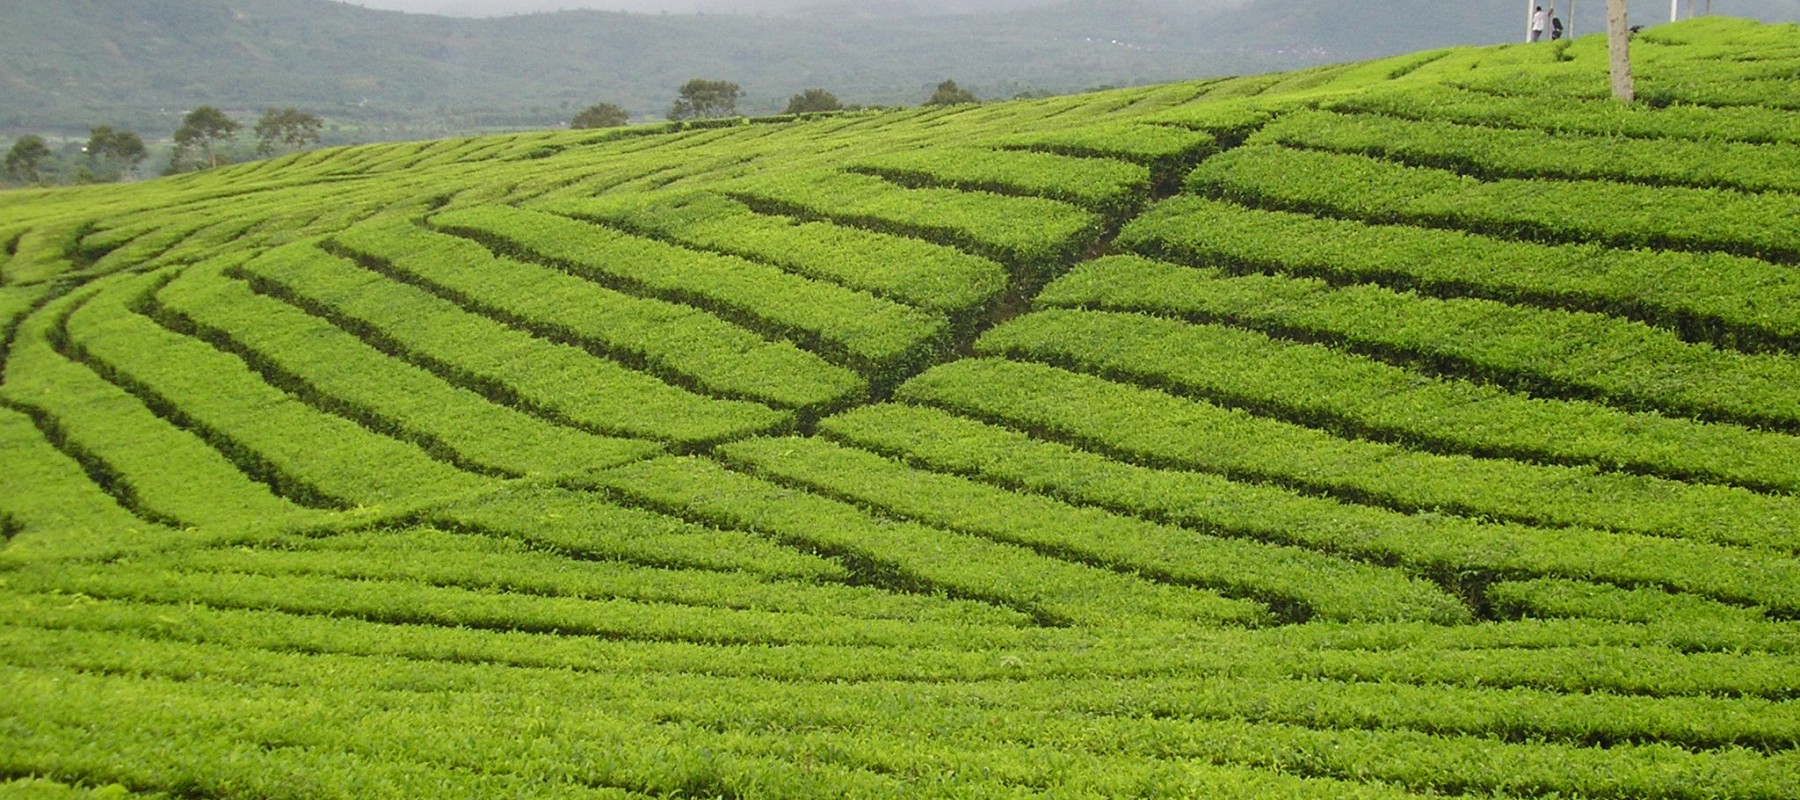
x,y
140,64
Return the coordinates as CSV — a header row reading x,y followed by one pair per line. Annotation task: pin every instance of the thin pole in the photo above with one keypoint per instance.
x,y
1674,10
1571,25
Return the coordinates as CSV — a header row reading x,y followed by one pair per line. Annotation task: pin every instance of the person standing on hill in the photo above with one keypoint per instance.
x,y
1556,28
1540,19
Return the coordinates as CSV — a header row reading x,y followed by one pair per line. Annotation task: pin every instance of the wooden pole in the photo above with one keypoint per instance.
x,y
1618,41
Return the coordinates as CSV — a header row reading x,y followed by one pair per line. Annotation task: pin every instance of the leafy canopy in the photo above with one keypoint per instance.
x,y
26,155
204,128
702,99
115,152
949,94
813,100
289,127
604,115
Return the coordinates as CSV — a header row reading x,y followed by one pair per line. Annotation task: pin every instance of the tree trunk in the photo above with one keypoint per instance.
x,y
1618,39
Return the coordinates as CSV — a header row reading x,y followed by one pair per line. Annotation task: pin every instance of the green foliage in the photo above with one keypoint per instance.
x,y
706,99
1613,213
929,452
288,128
204,129
603,115
812,101
949,94
26,157
872,335
114,152
918,273
682,344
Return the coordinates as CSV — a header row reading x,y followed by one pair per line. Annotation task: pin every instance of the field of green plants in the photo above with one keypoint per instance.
x,y
1422,427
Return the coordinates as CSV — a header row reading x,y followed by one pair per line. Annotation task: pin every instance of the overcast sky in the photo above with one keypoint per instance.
x,y
502,7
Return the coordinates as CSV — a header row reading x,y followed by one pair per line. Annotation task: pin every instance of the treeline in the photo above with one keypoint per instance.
x,y
111,155
701,98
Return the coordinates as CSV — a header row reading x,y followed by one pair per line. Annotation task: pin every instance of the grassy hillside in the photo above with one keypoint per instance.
x,y
141,64
1425,426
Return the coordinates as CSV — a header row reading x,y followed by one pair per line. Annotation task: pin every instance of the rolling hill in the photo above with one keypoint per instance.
x,y
1415,427
140,64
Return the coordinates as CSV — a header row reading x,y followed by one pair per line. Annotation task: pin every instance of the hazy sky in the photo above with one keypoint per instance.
x,y
501,7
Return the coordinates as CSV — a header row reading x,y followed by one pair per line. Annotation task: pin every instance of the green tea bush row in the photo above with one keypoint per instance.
x,y
943,653
1550,658
1556,598
1457,552
692,752
918,273
1544,352
1297,383
1166,432
1249,447
1168,151
1032,236
1300,583
50,508
1492,153
1329,388
163,470
912,557
682,344
311,358
43,251
877,336
192,741
751,724
582,526
560,383
483,563
1460,717
507,608
1112,188
1730,301
306,454
1622,215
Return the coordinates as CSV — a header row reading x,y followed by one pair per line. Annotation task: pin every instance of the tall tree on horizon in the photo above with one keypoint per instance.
x,y
110,149
204,127
26,155
288,127
701,98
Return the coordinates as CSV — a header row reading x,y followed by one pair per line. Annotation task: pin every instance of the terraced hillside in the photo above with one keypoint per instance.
x,y
1421,427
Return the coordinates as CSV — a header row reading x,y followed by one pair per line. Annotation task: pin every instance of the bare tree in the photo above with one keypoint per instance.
x,y
1618,39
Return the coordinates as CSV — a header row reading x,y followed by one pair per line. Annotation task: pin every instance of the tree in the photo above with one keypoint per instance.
x,y
1618,40
26,155
813,100
114,152
949,94
702,98
604,115
204,127
290,127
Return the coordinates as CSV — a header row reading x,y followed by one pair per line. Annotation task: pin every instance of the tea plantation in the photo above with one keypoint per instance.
x,y
1422,427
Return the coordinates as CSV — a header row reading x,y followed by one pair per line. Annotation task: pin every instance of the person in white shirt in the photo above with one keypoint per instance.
x,y
1540,19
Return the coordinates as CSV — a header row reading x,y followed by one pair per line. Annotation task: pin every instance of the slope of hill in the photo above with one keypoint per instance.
x,y
140,64
1417,427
